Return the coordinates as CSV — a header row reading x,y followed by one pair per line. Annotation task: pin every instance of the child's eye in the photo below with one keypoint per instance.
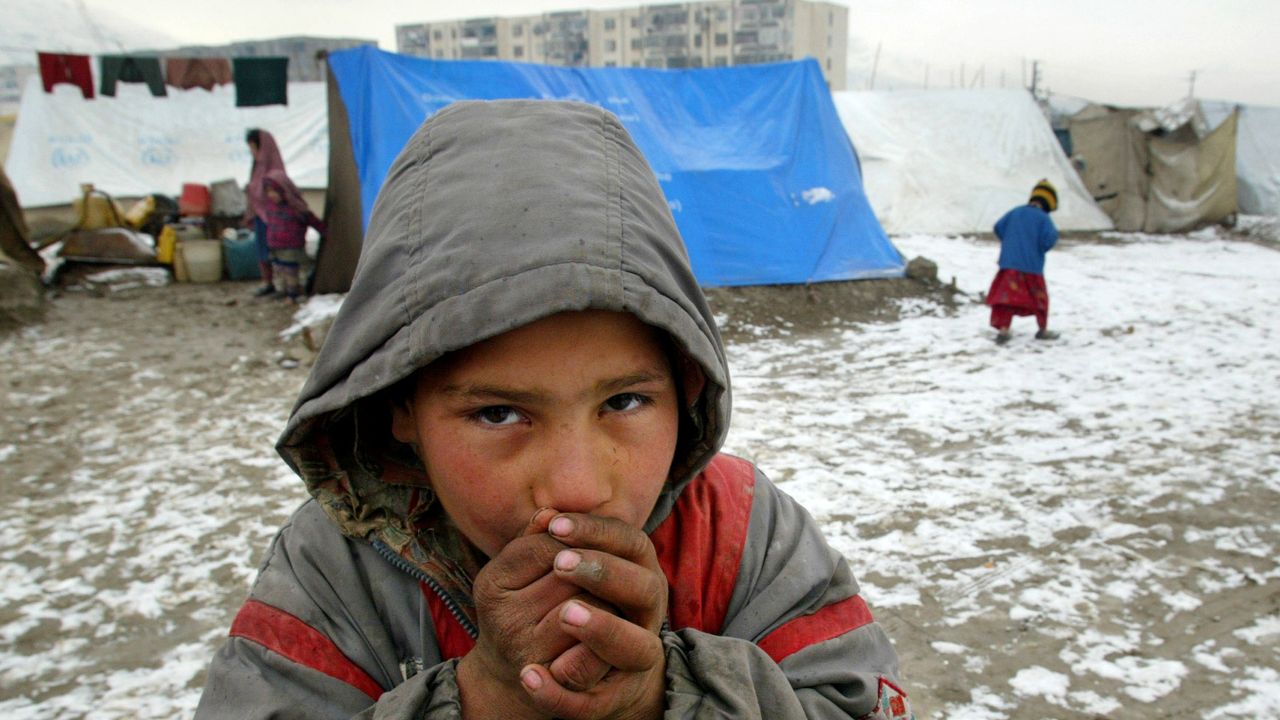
x,y
496,415
626,401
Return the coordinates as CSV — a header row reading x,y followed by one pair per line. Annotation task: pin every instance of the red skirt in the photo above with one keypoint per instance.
x,y
1019,293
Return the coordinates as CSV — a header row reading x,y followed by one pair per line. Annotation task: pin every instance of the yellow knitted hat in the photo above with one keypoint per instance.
x,y
1045,191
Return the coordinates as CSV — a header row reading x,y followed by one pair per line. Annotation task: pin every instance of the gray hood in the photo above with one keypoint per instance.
x,y
494,215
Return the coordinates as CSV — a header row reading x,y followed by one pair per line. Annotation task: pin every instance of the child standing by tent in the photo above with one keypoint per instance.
x,y
266,159
1026,233
287,220
511,437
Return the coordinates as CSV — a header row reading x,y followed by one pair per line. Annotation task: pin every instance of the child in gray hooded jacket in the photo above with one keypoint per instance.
x,y
511,438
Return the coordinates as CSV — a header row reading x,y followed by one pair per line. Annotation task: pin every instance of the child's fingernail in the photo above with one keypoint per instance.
x,y
531,679
567,560
534,521
575,614
561,526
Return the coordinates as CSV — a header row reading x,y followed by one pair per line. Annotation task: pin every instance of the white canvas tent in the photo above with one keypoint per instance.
x,y
954,161
135,144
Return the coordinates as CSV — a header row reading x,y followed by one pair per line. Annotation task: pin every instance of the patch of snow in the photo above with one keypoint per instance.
x,y
816,195
1265,630
316,310
1037,681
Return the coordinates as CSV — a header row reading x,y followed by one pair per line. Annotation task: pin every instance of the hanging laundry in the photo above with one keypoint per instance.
x,y
131,69
58,68
187,73
261,81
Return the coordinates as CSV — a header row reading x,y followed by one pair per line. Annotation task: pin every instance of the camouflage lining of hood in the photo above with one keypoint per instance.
x,y
374,488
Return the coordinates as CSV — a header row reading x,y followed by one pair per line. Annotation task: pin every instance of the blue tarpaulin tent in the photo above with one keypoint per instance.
x,y
756,166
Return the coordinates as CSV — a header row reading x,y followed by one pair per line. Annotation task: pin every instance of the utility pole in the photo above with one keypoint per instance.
x,y
875,65
1035,78
1191,91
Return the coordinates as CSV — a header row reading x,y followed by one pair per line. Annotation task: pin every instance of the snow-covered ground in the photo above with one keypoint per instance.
x,y
1079,528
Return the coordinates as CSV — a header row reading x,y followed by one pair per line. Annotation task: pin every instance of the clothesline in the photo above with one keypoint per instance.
x,y
258,80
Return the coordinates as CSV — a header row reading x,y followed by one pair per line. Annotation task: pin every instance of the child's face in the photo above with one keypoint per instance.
x,y
577,412
274,195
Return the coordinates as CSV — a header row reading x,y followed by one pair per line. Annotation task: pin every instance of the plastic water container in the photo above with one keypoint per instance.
x,y
203,260
241,253
194,200
96,210
166,244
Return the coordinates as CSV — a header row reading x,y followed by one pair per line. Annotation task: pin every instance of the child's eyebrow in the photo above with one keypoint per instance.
x,y
520,396
631,380
493,392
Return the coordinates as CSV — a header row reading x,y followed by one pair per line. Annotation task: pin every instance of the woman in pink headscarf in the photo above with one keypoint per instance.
x,y
266,159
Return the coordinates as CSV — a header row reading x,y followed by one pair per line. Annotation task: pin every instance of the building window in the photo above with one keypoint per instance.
x,y
439,54
610,23
635,63
610,63
637,43
697,40
437,35
828,64
722,62
611,46
722,39
635,22
517,51
517,31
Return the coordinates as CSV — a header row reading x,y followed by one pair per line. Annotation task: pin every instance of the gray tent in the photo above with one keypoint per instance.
x,y
1157,171
14,236
21,297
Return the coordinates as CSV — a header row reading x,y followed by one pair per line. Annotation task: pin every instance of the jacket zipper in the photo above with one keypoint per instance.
x,y
392,557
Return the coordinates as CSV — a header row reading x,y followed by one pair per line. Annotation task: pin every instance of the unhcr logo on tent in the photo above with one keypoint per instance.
x,y
65,158
157,155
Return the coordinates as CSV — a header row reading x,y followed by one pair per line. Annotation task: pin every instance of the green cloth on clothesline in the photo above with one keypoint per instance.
x,y
131,69
261,81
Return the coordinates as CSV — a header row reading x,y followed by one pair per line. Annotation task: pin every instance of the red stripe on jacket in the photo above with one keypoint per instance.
x,y
829,622
700,544
282,633
452,639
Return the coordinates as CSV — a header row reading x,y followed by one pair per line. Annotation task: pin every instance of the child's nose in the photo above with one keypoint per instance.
x,y
575,473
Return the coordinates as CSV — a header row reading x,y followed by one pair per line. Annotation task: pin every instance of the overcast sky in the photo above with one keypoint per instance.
x,y
1135,52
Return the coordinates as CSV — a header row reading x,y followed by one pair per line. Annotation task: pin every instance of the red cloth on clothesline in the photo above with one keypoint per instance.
x,y
58,68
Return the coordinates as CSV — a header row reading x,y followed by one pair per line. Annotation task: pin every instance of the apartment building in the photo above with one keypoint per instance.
x,y
714,33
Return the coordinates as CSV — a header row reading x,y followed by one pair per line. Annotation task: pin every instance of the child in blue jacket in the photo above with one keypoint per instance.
x,y
1026,233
